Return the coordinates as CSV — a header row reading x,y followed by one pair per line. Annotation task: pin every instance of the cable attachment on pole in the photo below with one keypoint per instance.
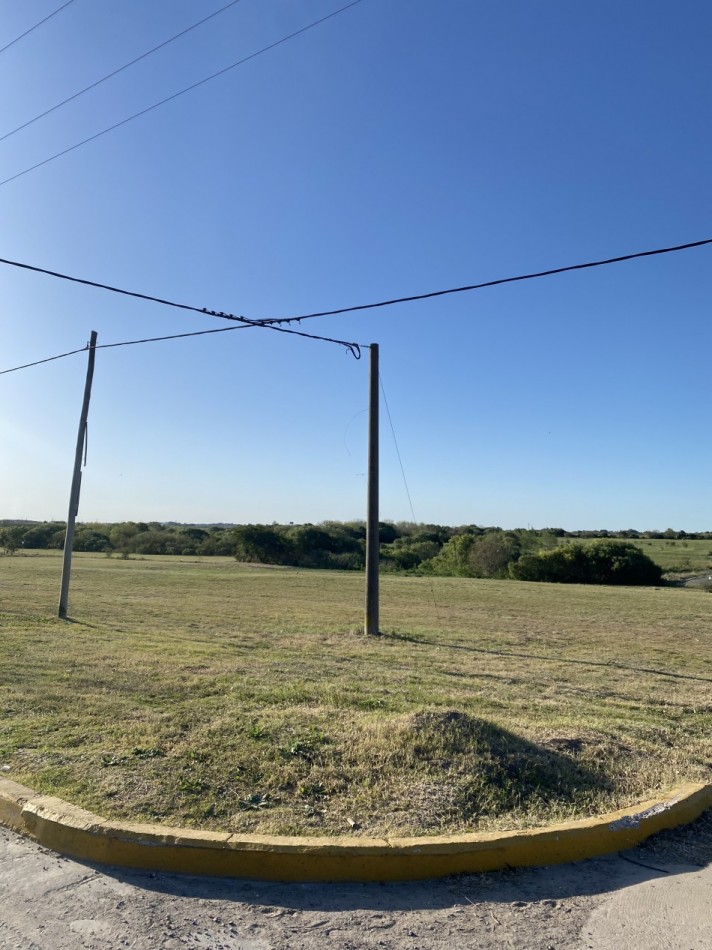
x,y
354,349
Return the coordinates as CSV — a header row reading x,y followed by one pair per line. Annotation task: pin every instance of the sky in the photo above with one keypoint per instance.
x,y
397,148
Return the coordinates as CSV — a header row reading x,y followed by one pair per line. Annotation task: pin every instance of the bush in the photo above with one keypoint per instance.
x,y
86,539
261,543
602,562
470,555
491,555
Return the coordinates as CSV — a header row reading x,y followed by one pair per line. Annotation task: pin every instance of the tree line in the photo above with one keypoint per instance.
x,y
463,551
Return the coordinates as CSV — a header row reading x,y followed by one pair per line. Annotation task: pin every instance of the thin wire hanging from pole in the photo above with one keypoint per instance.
x,y
405,482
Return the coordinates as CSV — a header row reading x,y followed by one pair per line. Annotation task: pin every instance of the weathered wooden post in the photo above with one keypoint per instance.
x,y
372,538
76,482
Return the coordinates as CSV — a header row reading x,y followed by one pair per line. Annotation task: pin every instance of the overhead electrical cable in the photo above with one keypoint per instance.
x,y
395,443
109,287
49,359
117,71
274,322
354,348
489,283
108,346
172,336
33,28
156,339
195,85
405,480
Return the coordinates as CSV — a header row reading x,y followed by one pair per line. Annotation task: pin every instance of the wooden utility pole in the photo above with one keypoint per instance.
x,y
372,538
76,482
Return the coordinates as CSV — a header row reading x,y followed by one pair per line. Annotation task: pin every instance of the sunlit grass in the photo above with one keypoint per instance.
x,y
675,556
243,698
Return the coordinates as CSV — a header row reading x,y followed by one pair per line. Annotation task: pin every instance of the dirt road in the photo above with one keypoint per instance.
x,y
657,896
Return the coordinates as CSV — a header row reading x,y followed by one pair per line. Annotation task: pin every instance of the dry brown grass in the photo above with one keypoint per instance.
x,y
246,698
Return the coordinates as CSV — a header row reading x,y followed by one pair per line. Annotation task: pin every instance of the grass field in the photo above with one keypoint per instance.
x,y
674,556
225,696
679,556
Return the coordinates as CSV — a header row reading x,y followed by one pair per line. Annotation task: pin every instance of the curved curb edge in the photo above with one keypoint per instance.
x,y
79,834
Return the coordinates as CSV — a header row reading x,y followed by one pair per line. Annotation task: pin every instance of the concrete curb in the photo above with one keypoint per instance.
x,y
77,833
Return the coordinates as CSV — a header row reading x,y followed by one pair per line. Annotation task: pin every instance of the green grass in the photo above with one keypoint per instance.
x,y
682,557
227,696
674,556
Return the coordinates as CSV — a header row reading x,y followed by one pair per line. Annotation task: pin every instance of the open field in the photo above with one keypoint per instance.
x,y
680,556
245,698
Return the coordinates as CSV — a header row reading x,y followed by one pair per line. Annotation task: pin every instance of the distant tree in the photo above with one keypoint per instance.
x,y
491,554
41,536
11,539
122,534
355,530
329,545
87,539
152,542
195,534
218,542
486,554
438,533
261,543
407,553
453,559
387,533
601,562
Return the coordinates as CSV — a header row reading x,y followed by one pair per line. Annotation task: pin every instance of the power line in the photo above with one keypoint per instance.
x,y
33,28
489,283
273,323
354,348
195,85
109,287
107,346
117,71
153,339
395,443
405,481
173,336
59,356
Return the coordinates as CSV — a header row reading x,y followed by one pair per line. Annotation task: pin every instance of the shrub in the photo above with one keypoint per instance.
x,y
471,555
601,562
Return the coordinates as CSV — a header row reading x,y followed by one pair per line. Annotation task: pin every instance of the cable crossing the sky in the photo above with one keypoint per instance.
x,y
116,72
33,28
276,323
354,348
492,283
195,85
156,339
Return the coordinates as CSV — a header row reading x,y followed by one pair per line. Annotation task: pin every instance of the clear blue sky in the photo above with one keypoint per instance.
x,y
401,147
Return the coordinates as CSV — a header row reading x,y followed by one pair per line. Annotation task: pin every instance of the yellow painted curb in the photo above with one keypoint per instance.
x,y
79,834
